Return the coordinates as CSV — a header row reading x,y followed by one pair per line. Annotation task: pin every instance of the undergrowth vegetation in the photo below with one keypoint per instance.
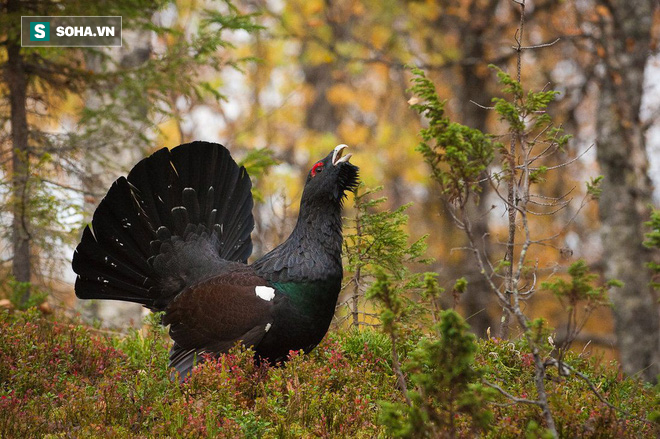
x,y
59,378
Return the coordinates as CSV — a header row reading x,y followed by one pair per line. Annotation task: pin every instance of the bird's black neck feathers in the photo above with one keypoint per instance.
x,y
313,250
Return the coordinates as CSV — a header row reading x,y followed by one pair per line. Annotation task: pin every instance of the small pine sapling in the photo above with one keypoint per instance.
x,y
444,384
438,378
378,255
394,309
376,245
461,158
579,298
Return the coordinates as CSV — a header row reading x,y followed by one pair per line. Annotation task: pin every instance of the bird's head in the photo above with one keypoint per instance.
x,y
331,177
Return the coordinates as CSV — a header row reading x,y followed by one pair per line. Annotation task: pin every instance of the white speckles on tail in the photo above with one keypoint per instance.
x,y
266,293
268,325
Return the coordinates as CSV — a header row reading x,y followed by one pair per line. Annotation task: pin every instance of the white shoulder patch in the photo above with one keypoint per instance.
x,y
266,293
268,325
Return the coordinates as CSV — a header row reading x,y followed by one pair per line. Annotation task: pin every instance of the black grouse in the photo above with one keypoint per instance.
x,y
174,236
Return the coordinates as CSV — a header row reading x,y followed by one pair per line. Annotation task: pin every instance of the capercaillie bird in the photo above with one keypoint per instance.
x,y
174,236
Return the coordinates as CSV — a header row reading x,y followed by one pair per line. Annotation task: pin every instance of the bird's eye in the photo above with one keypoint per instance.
x,y
317,168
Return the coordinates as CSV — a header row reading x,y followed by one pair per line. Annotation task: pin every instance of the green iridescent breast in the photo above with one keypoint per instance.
x,y
311,297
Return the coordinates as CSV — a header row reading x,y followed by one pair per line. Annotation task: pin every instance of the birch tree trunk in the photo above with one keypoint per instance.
x,y
626,188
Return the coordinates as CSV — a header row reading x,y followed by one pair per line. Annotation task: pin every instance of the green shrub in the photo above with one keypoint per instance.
x,y
60,378
447,396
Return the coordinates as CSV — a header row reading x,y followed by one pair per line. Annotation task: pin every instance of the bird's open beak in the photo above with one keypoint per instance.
x,y
337,155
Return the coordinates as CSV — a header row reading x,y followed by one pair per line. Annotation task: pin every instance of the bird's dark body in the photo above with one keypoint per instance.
x,y
302,330
175,236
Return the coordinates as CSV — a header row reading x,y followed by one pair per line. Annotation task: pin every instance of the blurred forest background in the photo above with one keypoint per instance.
x,y
281,82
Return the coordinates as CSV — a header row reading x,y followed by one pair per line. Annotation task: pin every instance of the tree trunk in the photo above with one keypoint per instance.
x,y
626,188
321,115
17,82
478,297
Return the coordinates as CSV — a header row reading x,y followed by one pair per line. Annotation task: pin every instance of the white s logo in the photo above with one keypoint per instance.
x,y
40,31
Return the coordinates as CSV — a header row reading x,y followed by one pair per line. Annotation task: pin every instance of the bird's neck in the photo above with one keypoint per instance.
x,y
313,250
318,228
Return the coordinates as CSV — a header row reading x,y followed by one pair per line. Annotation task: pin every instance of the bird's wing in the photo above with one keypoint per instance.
x,y
214,314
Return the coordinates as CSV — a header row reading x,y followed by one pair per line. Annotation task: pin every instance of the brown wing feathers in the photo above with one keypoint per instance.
x,y
213,315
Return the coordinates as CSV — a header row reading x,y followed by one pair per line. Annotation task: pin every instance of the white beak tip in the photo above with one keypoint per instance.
x,y
337,154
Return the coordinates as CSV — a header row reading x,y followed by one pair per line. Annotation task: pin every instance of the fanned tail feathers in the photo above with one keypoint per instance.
x,y
178,217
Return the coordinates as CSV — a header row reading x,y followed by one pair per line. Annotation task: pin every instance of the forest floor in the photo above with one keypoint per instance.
x,y
61,378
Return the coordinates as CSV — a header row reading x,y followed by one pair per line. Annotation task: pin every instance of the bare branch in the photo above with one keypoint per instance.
x,y
573,160
481,106
560,208
538,46
544,197
515,399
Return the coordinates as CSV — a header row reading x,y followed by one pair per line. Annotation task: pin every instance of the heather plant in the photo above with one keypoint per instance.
x,y
61,378
578,411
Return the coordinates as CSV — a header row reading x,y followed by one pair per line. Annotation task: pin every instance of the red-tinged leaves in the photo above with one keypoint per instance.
x,y
66,379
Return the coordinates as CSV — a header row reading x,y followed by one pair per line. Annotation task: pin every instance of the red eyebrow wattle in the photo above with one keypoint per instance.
x,y
315,167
